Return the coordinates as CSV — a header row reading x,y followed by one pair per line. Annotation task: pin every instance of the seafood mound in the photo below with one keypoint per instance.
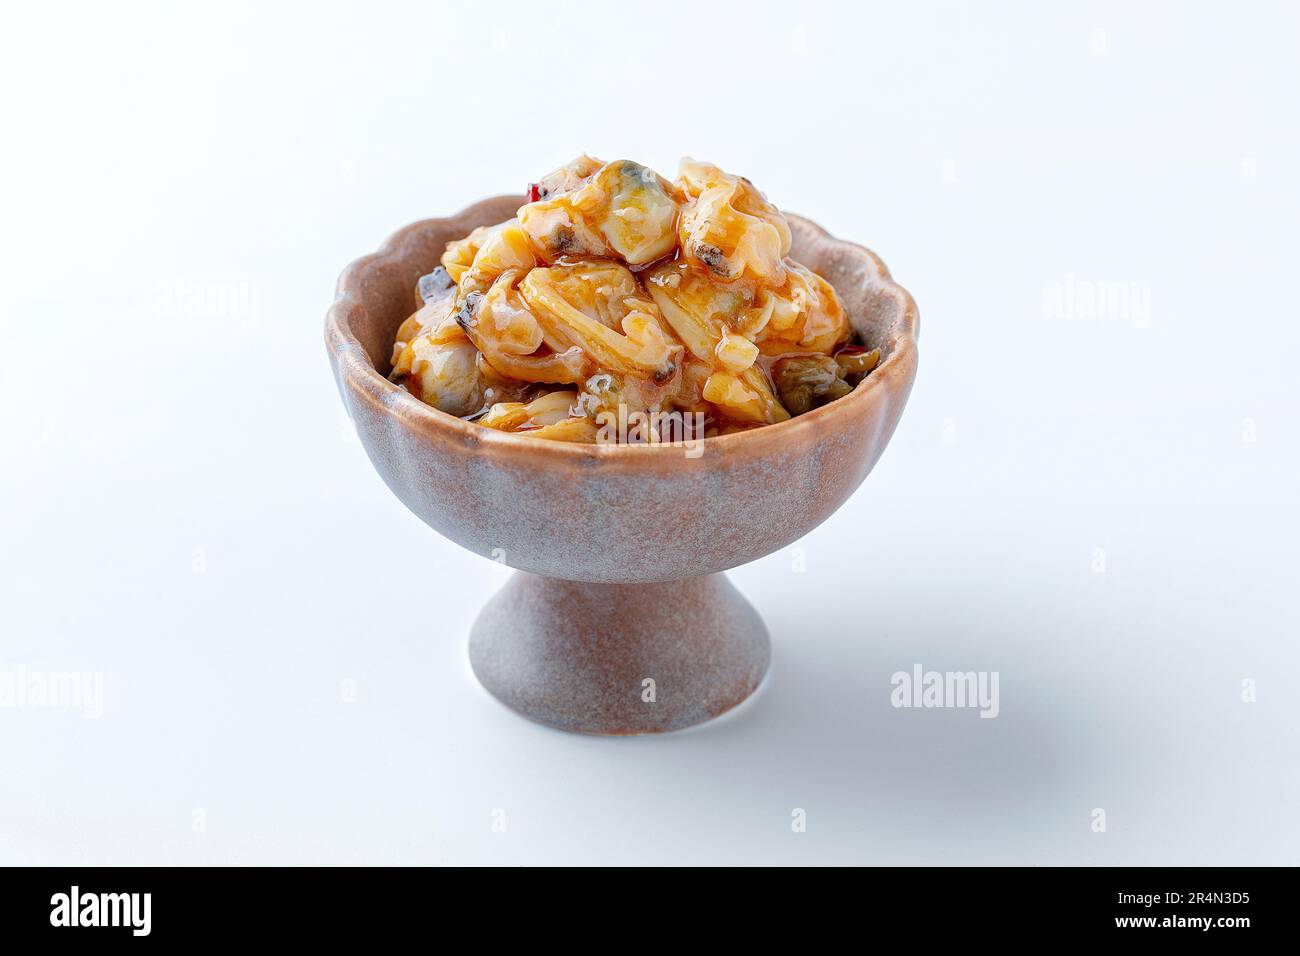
x,y
617,306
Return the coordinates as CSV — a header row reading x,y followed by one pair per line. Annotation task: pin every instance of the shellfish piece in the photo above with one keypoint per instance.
x,y
504,319
735,352
856,360
445,375
735,397
729,228
543,410
698,309
505,247
504,329
633,208
570,429
805,382
578,304
806,315
557,231
459,254
547,367
432,315
620,210
565,179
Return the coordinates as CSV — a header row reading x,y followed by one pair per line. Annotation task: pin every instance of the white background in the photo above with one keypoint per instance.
x,y
1101,508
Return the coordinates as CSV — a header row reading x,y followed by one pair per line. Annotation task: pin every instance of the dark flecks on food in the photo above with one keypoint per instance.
x,y
712,256
634,176
731,305
563,239
468,310
806,382
435,283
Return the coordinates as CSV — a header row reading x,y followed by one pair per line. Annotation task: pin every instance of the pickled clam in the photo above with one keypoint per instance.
x,y
728,227
634,209
621,210
498,249
445,374
597,307
616,295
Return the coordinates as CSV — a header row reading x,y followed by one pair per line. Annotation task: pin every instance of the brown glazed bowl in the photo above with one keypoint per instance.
x,y
619,621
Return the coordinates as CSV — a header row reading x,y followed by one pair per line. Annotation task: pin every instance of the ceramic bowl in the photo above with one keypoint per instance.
x,y
618,621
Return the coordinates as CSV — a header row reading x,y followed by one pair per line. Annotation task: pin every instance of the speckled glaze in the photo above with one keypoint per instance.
x,y
615,514
619,658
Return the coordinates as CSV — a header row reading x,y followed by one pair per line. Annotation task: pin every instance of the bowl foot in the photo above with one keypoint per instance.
x,y
619,658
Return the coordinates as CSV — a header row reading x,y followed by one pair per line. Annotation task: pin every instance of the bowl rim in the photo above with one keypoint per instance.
x,y
353,365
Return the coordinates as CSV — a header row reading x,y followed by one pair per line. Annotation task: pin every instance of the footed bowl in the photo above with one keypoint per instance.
x,y
619,620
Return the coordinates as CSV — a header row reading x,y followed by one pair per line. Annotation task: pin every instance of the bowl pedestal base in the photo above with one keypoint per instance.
x,y
619,658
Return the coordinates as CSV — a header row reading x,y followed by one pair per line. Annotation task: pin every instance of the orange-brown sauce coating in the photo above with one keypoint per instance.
x,y
615,296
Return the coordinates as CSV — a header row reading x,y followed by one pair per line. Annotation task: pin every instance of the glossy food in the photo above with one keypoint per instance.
x,y
617,306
